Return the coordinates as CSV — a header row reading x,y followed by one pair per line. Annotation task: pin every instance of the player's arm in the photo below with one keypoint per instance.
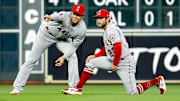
x,y
117,54
55,16
100,53
59,62
75,45
114,38
76,42
58,16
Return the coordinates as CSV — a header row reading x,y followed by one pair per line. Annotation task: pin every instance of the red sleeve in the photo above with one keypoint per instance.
x,y
117,53
101,52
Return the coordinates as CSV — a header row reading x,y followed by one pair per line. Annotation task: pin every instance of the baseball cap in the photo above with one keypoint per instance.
x,y
102,13
78,9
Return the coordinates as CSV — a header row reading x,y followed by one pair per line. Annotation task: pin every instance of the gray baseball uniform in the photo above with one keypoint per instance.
x,y
67,38
126,67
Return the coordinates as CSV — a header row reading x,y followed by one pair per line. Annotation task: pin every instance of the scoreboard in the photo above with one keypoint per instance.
x,y
128,14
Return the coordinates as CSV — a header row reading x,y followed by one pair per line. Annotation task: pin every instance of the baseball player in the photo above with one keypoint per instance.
x,y
115,56
67,30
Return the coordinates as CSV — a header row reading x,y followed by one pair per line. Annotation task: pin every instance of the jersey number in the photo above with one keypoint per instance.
x,y
110,51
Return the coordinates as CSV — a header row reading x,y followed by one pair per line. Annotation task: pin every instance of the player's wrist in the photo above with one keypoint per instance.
x,y
95,56
114,64
63,56
114,68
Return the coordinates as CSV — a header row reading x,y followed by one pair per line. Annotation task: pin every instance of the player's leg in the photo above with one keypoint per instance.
x,y
126,71
100,62
158,81
128,78
129,81
41,43
146,85
73,71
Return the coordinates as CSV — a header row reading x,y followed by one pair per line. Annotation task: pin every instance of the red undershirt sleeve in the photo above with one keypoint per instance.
x,y
101,52
117,53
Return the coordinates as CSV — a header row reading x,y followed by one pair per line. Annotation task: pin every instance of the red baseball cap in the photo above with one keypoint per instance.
x,y
78,9
102,13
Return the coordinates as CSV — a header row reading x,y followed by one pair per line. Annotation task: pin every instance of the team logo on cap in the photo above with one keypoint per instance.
x,y
99,13
77,9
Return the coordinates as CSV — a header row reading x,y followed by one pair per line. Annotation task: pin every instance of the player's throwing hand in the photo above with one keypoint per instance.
x,y
60,61
47,18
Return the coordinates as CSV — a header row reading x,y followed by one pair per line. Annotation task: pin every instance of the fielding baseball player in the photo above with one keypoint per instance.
x,y
67,30
115,56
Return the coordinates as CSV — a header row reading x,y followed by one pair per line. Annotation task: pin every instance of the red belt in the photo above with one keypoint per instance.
x,y
122,59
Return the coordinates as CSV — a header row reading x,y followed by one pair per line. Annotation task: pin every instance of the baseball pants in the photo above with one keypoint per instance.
x,y
126,70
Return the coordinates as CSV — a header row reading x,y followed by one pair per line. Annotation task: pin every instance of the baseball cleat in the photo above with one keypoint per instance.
x,y
161,84
65,90
15,92
73,91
